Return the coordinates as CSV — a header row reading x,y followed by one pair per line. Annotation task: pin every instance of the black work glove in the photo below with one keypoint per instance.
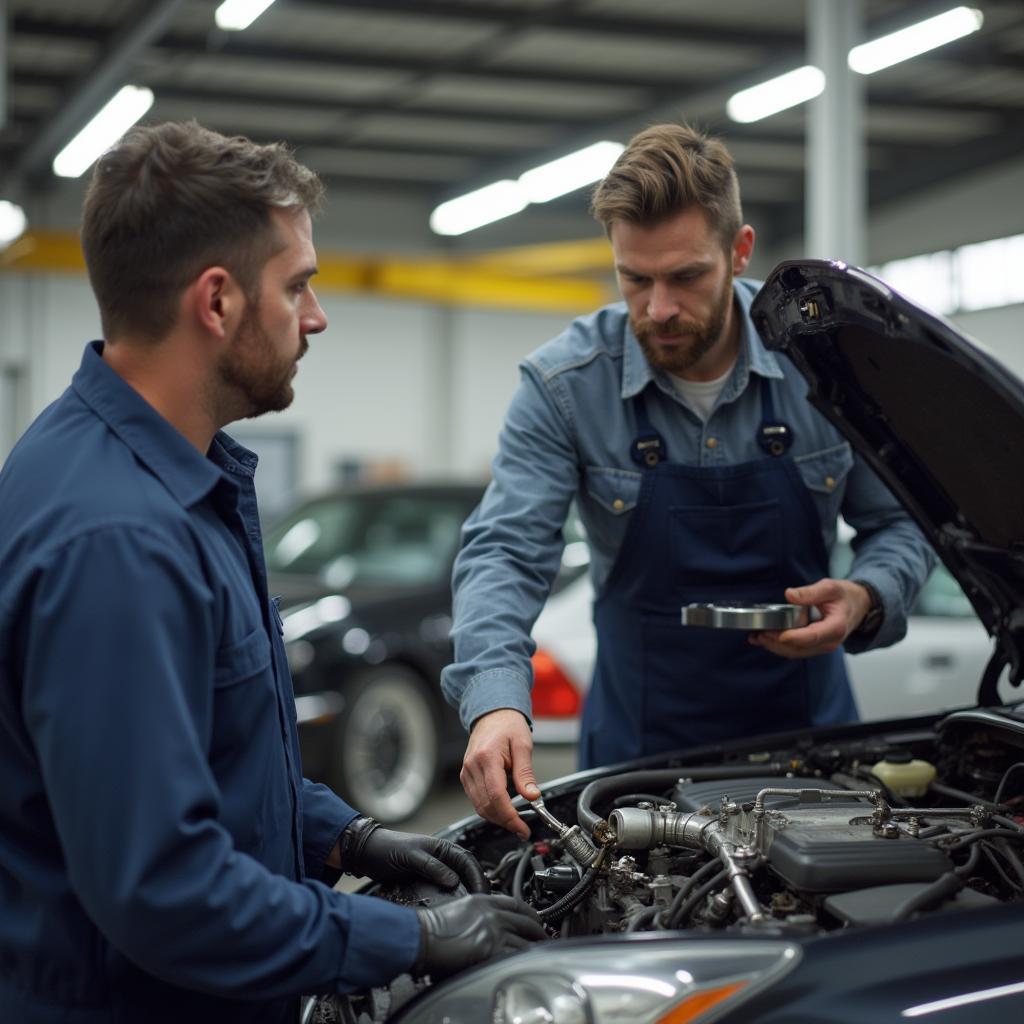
x,y
470,929
387,856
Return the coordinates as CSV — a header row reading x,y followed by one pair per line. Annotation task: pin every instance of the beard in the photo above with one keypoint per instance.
x,y
696,338
254,373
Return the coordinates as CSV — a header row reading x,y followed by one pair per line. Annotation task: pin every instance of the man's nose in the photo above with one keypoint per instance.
x,y
314,319
661,306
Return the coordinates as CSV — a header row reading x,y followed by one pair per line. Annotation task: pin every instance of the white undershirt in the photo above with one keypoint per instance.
x,y
700,395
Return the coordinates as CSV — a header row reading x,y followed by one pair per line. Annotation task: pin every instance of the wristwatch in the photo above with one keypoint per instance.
x,y
876,612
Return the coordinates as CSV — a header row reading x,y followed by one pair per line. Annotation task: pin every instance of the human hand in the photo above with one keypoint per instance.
x,y
500,745
842,605
388,856
466,931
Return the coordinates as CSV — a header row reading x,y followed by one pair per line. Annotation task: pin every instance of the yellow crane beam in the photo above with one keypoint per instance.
x,y
569,277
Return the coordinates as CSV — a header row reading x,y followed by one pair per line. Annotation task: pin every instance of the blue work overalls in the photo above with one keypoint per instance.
x,y
738,534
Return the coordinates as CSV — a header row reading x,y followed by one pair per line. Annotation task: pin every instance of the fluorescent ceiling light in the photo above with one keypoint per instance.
x,y
537,185
236,15
474,209
102,131
776,94
917,39
12,222
571,172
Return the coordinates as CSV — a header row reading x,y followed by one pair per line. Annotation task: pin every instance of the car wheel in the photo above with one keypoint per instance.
x,y
386,753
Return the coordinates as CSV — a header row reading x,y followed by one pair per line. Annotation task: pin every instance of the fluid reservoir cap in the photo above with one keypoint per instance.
x,y
897,755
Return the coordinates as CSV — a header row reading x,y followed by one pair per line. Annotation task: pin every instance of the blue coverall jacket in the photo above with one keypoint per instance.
x,y
159,848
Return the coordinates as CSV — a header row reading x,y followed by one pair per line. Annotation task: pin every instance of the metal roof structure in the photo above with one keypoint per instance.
x,y
435,97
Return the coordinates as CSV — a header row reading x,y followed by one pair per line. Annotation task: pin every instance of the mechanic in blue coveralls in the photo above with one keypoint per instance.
x,y
701,474
161,856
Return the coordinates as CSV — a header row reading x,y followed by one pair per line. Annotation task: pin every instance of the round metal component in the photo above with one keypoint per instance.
x,y
749,617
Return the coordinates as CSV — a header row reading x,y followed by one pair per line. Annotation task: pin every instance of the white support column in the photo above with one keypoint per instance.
x,y
836,210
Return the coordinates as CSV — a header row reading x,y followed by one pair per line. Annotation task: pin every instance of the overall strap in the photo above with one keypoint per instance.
x,y
773,436
648,448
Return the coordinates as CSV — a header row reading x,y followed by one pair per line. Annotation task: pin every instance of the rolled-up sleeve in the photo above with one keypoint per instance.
x,y
119,703
511,546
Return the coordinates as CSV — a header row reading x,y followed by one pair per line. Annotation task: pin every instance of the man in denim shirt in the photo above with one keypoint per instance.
x,y
162,859
702,474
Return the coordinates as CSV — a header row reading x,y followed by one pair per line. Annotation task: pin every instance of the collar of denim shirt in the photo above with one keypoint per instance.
x,y
187,475
753,357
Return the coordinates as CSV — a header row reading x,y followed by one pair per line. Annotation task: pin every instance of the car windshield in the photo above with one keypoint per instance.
x,y
398,539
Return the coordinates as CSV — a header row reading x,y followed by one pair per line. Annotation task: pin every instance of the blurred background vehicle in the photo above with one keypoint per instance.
x,y
935,667
362,577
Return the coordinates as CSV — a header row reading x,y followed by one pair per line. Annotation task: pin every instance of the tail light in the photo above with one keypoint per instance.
x,y
554,695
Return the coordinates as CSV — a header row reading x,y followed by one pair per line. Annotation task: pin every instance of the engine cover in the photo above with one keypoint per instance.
x,y
827,849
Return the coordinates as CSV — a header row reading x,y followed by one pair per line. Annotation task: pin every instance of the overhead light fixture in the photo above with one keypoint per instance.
x,y
568,173
236,15
537,185
776,94
130,103
12,222
914,40
475,209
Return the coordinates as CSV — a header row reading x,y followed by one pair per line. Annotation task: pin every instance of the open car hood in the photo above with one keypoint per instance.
x,y
940,420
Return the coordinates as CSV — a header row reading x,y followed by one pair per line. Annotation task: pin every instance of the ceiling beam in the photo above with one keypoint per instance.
x,y
148,23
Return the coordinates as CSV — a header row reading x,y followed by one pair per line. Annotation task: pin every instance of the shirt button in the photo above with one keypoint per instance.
x,y
712,442
618,504
830,482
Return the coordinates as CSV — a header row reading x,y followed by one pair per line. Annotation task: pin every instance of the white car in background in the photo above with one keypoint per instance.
x,y
934,668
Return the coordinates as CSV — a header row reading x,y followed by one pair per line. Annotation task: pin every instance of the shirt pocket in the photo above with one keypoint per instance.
x,y
824,474
615,490
243,659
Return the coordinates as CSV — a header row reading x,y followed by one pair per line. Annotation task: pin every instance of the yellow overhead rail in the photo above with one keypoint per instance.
x,y
564,277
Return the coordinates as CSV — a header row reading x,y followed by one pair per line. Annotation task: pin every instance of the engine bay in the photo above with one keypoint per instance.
x,y
862,828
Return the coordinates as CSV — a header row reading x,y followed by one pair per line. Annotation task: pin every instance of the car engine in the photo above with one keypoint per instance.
x,y
866,828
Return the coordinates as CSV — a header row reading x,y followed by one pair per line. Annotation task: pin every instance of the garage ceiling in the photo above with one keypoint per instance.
x,y
435,97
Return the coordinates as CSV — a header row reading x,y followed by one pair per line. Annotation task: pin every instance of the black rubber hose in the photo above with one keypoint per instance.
x,y
959,794
990,852
642,917
632,799
965,869
682,915
686,888
986,833
1007,851
1001,819
601,791
552,914
939,891
520,873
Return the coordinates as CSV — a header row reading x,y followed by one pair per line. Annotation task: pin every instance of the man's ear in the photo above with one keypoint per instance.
x,y
215,302
742,248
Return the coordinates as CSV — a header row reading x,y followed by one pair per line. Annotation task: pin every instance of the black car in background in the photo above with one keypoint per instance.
x,y
363,579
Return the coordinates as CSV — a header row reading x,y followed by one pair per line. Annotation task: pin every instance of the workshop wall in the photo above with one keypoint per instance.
x,y
417,389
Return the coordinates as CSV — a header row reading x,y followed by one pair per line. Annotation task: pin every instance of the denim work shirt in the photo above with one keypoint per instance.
x,y
567,435
158,844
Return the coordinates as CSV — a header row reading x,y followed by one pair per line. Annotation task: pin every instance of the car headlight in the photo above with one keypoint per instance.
x,y
640,981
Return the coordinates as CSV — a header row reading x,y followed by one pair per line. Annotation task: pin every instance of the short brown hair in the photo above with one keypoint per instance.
x,y
665,169
170,200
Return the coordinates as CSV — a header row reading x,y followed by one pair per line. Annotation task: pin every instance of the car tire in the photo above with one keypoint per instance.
x,y
386,750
